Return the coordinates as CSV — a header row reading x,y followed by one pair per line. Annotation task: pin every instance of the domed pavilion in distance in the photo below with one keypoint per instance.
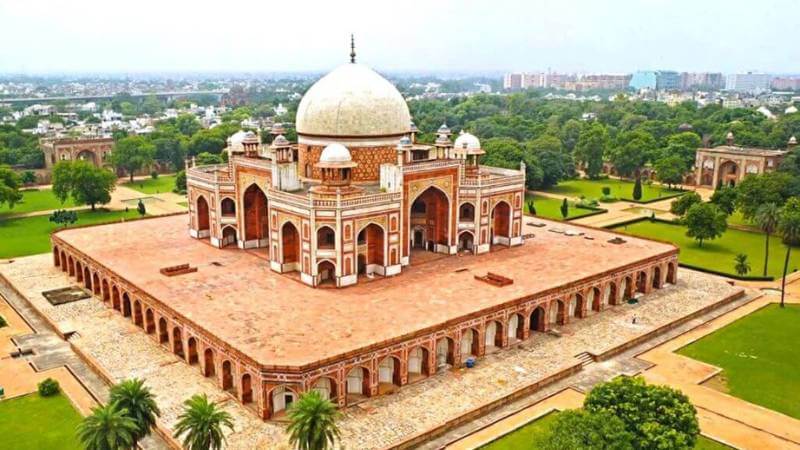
x,y
354,261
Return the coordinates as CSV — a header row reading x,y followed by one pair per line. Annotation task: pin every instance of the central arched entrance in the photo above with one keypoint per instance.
x,y
203,228
290,243
728,173
429,226
88,156
256,223
501,224
370,250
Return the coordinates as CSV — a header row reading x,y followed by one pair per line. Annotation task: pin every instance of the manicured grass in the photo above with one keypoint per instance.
x,y
35,200
184,204
719,254
523,437
33,422
550,208
620,189
164,183
759,356
31,235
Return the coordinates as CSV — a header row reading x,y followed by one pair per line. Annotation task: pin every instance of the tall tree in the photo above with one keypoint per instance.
x,y
725,198
202,422
9,187
789,228
670,170
132,153
767,218
770,187
705,221
591,148
85,183
107,428
136,399
581,429
313,423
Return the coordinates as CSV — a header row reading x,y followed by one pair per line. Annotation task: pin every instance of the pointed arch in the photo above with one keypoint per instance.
x,y
429,214
256,221
501,223
203,222
290,243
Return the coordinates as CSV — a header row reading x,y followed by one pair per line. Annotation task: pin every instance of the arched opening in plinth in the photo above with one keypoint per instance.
x,y
470,344
466,241
177,342
126,305
538,320
501,224
138,319
256,220
326,387
493,336
96,284
576,305
115,303
357,384
65,265
445,353
202,216
558,314
657,277
88,156
106,292
78,272
247,388
209,369
516,328
163,333
56,257
227,376
149,322
370,249
418,367
71,266
388,375
641,282
627,288
430,221
87,279
290,242
671,273
611,294
326,272
281,399
229,236
191,347
596,299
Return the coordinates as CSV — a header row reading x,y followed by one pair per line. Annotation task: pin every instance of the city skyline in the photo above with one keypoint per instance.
x,y
443,37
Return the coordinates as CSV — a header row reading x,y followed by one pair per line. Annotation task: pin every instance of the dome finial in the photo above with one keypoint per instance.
x,y
352,49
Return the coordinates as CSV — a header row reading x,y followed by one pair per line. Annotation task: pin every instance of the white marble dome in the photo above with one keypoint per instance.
x,y
335,153
353,101
467,141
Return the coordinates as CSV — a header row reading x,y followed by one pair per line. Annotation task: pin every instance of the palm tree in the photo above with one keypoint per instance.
x,y
767,217
202,423
742,265
137,399
789,228
107,428
313,422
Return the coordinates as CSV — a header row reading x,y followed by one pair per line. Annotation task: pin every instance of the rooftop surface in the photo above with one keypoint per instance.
x,y
752,151
278,321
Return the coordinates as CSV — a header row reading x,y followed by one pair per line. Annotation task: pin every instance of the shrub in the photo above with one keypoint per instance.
x,y
154,174
3,322
606,191
608,199
49,387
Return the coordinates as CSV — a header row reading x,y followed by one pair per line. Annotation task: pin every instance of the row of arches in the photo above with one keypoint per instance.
x,y
255,220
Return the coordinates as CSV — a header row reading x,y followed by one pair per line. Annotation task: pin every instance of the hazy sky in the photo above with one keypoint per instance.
x,y
436,35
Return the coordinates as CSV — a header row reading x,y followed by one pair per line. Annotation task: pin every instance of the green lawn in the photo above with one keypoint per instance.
x,y
31,235
164,183
719,254
620,189
523,437
550,208
759,356
38,423
35,200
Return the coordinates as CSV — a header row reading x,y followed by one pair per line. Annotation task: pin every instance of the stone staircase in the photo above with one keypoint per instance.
x,y
585,358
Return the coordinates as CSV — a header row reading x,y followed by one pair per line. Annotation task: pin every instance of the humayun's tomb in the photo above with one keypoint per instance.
x,y
355,260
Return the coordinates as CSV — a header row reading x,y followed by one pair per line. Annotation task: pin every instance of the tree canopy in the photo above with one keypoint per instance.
x,y
705,221
9,187
133,153
85,183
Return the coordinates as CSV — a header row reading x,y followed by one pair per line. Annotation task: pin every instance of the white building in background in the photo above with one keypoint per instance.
x,y
280,110
750,82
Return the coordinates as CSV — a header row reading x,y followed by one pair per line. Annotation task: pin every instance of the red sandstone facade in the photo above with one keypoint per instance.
x,y
97,151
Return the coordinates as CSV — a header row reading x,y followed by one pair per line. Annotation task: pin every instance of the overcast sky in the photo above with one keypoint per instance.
x,y
433,35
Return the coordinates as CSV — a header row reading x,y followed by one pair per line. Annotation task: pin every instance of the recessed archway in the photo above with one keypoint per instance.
x,y
357,384
466,212
229,236
430,219
558,312
538,320
115,303
657,277
516,327
138,318
610,294
163,333
326,272
281,398
149,322
418,364
256,222
209,368
388,374
126,305
78,272
671,273
71,266
106,292
177,342
202,216
493,336
227,207
191,346
247,388
370,250
466,241
470,343
326,387
87,278
596,299
326,238
65,265
227,376
641,282
501,224
445,353
290,242
576,305
96,284
627,288
56,257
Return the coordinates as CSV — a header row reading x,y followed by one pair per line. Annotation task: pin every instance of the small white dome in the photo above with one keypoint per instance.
x,y
280,141
467,141
335,153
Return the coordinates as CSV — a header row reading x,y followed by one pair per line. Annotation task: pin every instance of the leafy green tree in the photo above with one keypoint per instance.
x,y
139,403
705,221
564,208
725,198
570,134
634,149
637,189
531,207
132,153
202,422
28,177
64,217
771,187
659,417
683,145
180,181
580,429
107,428
313,423
205,159
670,170
84,182
187,124
591,147
767,218
9,187
789,228
206,141
741,264
680,205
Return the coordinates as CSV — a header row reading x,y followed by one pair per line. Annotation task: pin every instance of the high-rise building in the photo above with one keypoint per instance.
x,y
512,81
748,82
668,80
786,83
644,79
706,80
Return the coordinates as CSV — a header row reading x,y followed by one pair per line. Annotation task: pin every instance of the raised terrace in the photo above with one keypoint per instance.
x,y
275,320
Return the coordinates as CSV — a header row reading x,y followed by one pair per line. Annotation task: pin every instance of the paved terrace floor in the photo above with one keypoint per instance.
x,y
262,313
